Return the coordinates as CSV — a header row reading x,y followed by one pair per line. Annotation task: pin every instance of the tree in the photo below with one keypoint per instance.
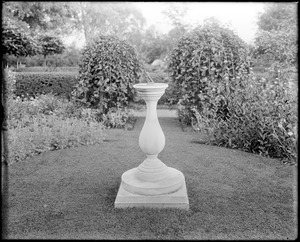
x,y
41,17
277,35
212,21
23,21
176,13
108,18
17,42
278,16
50,45
153,45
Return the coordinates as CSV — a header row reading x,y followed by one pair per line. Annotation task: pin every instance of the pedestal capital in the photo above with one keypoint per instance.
x,y
150,91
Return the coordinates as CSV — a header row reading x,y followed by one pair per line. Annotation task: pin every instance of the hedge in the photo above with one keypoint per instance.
x,y
48,69
32,84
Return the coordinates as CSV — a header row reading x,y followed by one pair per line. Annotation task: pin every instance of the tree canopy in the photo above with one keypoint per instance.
x,y
51,45
40,17
277,35
278,16
17,42
107,18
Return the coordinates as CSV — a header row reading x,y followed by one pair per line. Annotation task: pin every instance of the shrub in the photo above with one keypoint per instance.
x,y
109,67
207,56
263,119
35,83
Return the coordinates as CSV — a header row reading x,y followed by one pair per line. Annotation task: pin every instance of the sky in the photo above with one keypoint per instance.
x,y
241,16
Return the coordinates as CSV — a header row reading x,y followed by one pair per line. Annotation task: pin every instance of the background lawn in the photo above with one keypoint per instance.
x,y
70,194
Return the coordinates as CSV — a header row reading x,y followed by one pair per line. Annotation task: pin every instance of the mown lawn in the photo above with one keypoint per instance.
x,y
70,194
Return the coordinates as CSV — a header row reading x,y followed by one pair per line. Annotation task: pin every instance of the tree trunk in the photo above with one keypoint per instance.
x,y
101,97
84,22
4,62
45,60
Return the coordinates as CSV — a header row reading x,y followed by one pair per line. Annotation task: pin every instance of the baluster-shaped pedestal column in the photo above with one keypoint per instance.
x,y
152,183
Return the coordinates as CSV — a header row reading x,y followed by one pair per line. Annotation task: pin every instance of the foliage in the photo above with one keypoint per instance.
x,y
153,45
8,84
49,104
46,104
16,42
176,13
108,69
70,57
118,118
46,123
34,135
162,77
41,17
207,56
278,16
31,84
277,39
48,69
262,119
120,19
159,76
50,45
281,46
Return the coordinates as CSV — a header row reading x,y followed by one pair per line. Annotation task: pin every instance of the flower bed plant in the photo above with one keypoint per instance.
x,y
48,123
44,123
34,135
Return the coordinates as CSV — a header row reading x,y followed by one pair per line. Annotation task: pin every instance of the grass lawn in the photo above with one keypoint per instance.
x,y
70,194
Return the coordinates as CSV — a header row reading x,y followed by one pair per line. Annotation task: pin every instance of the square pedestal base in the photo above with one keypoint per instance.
x,y
178,199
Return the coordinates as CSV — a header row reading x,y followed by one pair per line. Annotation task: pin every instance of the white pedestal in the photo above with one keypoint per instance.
x,y
152,183
176,199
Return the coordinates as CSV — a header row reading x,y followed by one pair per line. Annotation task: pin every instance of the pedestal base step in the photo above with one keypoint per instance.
x,y
178,199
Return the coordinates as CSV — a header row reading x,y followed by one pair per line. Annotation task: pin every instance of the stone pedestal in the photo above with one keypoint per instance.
x,y
152,183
